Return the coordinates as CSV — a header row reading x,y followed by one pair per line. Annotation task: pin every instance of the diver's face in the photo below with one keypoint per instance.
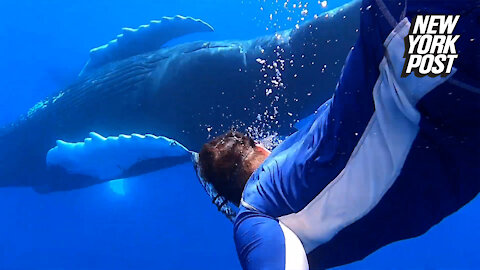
x,y
261,149
261,153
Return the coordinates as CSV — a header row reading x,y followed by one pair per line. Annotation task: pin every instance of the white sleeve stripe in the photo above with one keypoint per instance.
x,y
295,256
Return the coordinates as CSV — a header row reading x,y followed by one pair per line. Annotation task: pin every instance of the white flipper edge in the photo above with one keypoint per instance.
x,y
107,158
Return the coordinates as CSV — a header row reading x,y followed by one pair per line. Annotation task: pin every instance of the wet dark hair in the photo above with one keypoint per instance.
x,y
224,163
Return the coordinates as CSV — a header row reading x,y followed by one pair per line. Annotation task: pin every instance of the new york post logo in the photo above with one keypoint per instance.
x,y
430,46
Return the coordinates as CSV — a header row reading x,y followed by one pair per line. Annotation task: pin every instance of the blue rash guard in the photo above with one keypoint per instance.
x,y
385,159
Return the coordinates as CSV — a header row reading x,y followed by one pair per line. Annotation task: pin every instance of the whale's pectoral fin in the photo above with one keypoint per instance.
x,y
101,159
98,159
145,38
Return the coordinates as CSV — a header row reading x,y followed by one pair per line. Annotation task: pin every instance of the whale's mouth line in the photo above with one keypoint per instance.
x,y
207,47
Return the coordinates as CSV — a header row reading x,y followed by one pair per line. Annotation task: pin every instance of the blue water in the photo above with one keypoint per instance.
x,y
163,220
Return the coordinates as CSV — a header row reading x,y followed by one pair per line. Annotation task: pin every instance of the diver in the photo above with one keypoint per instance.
x,y
384,159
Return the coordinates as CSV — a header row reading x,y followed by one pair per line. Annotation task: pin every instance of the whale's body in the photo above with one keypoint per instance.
x,y
187,92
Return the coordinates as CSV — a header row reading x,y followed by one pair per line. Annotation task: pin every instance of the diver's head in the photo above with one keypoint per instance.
x,y
228,161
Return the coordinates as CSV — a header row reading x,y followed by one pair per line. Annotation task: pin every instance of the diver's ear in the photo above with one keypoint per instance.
x,y
261,149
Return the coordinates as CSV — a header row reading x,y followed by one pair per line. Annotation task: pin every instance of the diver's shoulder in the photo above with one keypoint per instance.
x,y
246,213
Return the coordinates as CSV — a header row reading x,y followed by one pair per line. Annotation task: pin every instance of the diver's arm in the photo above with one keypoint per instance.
x,y
264,243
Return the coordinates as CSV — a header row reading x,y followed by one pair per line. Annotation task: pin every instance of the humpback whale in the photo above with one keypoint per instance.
x,y
188,92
